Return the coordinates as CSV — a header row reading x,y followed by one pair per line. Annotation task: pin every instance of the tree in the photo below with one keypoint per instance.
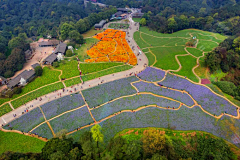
x,y
75,36
8,74
143,22
38,70
55,64
158,157
172,24
75,154
236,44
69,53
81,26
96,134
65,29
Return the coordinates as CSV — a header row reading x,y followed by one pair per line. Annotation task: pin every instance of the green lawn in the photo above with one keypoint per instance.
x,y
106,72
5,109
194,51
188,62
206,46
139,41
3,100
19,143
166,56
201,70
151,58
136,19
31,96
69,69
91,33
82,51
94,67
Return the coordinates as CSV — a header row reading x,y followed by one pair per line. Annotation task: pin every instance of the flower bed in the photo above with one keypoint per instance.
x,y
72,120
149,87
56,107
208,100
27,121
131,103
151,74
43,131
111,47
108,91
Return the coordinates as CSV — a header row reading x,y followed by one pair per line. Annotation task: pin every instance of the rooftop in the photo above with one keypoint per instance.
x,y
61,48
51,58
26,74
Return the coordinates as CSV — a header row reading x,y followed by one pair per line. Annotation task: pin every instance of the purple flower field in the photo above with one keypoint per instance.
x,y
208,100
100,94
131,103
27,121
183,119
43,131
151,74
56,107
149,87
72,120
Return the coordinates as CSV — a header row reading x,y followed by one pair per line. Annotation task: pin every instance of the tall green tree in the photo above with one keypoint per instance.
x,y
65,29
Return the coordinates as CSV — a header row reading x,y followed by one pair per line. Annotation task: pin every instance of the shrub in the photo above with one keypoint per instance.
x,y
227,87
55,64
17,90
69,53
8,74
38,71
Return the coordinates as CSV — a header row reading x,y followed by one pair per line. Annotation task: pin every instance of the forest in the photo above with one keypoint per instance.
x,y
21,20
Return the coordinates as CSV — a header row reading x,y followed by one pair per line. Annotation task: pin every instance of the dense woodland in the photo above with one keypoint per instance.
x,y
152,146
23,19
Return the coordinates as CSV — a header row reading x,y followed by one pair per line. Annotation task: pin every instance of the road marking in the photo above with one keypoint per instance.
x,y
4,120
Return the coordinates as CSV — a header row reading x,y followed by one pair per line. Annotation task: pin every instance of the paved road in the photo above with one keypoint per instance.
x,y
142,60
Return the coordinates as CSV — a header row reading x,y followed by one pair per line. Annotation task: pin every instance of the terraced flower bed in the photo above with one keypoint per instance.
x,y
100,94
151,74
131,103
56,107
72,120
179,96
43,131
207,99
27,121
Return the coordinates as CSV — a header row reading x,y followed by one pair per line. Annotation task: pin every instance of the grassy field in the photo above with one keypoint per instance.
x,y
166,57
3,100
19,143
82,51
201,70
206,46
139,41
187,62
151,58
87,68
38,93
69,69
136,19
195,52
91,33
5,109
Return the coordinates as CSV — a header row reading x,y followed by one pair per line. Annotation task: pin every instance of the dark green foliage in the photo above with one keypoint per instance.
x,y
38,70
69,53
55,64
17,90
227,87
16,156
8,74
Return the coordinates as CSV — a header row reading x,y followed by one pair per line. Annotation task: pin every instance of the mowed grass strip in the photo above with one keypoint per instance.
x,y
206,46
87,68
201,70
72,81
69,69
3,100
31,96
82,50
139,40
188,62
19,143
5,109
106,72
91,33
166,56
151,58
194,51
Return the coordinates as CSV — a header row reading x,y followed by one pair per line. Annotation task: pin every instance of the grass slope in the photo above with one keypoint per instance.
x,y
187,62
5,109
19,143
194,51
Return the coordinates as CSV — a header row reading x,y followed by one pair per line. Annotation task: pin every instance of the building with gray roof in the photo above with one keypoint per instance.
x,y
50,59
100,24
27,75
61,48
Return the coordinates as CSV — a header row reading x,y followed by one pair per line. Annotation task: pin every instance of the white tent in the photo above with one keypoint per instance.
x,y
22,82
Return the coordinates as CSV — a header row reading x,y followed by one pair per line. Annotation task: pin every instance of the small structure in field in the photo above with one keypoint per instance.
x,y
100,25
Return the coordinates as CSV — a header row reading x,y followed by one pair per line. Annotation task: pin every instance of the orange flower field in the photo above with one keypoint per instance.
x,y
112,47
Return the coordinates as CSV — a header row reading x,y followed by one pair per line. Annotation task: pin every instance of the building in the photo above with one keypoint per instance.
x,y
21,79
35,65
50,59
100,25
61,48
28,54
137,15
123,16
3,81
124,10
48,43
